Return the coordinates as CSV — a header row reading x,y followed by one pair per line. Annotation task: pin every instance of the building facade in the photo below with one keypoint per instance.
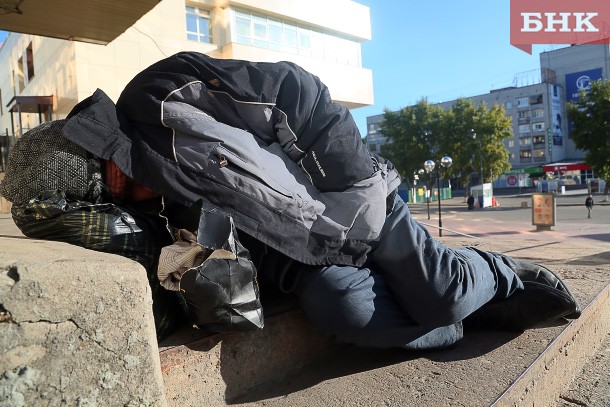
x,y
540,143
43,78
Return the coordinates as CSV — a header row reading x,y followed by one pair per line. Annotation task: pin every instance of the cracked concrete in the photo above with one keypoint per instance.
x,y
77,328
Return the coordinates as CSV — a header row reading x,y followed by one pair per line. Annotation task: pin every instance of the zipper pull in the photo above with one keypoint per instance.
x,y
222,160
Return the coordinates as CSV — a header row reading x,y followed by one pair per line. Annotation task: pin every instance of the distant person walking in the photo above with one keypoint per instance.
x,y
589,205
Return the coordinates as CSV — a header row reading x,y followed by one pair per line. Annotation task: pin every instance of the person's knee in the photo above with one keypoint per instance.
x,y
339,302
440,310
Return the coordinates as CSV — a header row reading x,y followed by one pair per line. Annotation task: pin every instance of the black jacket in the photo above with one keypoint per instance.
x,y
262,140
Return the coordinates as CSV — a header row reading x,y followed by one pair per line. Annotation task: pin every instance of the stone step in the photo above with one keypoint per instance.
x,y
287,363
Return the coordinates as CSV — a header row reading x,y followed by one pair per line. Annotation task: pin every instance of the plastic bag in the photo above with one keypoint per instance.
x,y
222,292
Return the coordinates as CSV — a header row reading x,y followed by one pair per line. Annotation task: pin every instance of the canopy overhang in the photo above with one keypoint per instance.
x,y
94,21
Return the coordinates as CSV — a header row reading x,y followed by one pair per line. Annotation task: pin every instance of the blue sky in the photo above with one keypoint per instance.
x,y
441,50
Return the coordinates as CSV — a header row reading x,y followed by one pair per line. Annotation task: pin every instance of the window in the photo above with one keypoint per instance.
x,y
538,126
198,25
539,152
511,143
524,128
524,114
538,113
525,141
538,139
525,154
20,75
29,60
536,100
523,102
512,156
288,37
508,105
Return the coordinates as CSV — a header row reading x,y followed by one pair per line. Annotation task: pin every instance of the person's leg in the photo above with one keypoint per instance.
x,y
438,286
353,305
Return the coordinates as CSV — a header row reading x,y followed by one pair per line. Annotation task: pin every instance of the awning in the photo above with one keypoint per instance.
x,y
529,170
29,104
96,21
566,167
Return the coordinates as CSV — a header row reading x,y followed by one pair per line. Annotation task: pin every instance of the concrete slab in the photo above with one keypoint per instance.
x,y
487,368
76,328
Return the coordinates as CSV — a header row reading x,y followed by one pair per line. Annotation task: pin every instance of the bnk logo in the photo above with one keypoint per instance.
x,y
559,22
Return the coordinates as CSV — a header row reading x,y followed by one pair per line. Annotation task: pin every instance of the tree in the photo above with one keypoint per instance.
x,y
590,118
411,135
424,131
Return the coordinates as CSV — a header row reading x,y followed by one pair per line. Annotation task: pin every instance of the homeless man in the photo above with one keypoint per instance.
x,y
318,212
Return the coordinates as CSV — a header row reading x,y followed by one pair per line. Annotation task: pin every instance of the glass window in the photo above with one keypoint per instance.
x,y
524,128
525,141
29,57
525,153
511,143
508,105
538,126
198,25
524,114
538,139
538,113
536,100
20,75
539,152
522,102
285,36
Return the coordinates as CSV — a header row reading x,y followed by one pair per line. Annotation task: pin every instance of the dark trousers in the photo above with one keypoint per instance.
x,y
412,293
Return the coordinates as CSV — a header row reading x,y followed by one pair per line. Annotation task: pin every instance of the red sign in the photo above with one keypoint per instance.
x,y
559,22
565,167
511,180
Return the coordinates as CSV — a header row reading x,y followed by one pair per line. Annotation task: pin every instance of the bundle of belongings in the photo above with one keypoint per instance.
x,y
199,272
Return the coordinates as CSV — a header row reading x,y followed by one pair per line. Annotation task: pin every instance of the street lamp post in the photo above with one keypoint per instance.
x,y
474,137
430,166
429,184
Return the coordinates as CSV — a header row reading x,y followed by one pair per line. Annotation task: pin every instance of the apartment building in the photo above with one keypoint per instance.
x,y
540,143
42,78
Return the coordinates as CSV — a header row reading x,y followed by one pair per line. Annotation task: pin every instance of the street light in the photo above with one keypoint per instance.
x,y
474,137
430,166
421,172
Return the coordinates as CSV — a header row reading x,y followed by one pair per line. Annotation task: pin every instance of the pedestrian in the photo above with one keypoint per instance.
x,y
589,205
470,202
317,211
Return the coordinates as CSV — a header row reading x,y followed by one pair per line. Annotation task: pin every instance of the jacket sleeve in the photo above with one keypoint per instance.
x,y
333,154
279,102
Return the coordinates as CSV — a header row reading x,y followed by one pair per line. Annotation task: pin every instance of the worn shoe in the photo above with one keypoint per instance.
x,y
540,274
536,304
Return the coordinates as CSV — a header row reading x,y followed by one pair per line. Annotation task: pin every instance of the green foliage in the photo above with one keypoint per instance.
x,y
424,131
590,117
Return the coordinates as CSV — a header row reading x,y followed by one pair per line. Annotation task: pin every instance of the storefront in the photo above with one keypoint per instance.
x,y
570,173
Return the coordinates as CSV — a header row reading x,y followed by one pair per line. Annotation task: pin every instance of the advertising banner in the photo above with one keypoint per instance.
x,y
577,81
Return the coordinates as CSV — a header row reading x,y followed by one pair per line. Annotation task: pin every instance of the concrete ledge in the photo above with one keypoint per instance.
x,y
544,380
76,328
213,370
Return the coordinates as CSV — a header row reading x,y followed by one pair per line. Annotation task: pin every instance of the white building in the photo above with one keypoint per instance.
x,y
42,78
